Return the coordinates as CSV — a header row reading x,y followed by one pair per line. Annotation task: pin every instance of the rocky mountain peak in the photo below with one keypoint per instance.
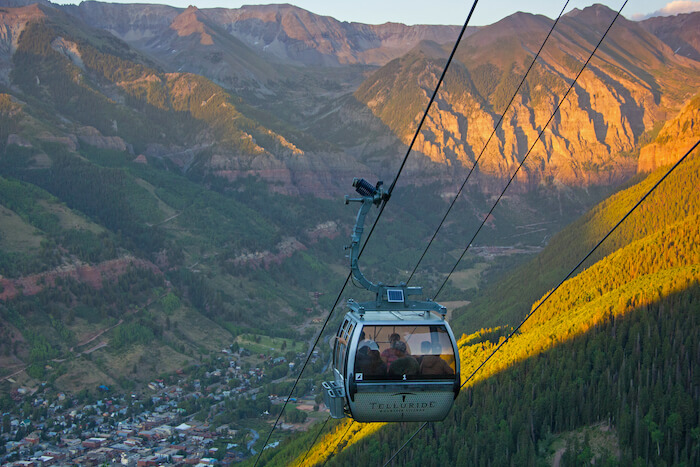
x,y
191,21
596,12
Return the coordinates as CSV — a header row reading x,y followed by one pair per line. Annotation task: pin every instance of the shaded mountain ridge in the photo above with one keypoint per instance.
x,y
286,32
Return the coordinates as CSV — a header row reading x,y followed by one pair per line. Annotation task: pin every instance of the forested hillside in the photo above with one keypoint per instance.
x,y
603,370
84,209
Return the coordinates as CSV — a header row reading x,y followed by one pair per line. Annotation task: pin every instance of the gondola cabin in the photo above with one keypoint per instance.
x,y
395,366
394,359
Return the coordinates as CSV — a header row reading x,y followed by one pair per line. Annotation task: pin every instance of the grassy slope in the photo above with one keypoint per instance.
x,y
210,230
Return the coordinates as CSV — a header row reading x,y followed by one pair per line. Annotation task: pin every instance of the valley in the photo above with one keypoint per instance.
x,y
172,229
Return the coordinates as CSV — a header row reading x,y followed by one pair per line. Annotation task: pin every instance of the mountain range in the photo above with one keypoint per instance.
x,y
305,77
170,177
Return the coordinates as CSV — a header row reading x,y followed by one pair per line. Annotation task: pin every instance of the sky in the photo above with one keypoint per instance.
x,y
439,11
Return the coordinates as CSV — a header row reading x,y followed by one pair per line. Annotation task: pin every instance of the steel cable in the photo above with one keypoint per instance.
x,y
315,438
495,128
376,220
567,277
499,198
339,441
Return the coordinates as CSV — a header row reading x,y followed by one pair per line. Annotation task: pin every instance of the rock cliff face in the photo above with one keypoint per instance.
x,y
297,35
136,24
283,31
675,138
12,23
613,103
91,136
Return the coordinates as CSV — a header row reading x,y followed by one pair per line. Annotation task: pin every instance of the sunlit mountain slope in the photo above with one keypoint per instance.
x,y
613,346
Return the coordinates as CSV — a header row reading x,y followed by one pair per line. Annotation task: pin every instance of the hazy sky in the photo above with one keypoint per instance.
x,y
440,11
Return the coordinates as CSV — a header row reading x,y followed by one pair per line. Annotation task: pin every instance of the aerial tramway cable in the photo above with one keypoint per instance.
x,y
567,277
495,128
516,329
476,161
340,440
381,210
315,438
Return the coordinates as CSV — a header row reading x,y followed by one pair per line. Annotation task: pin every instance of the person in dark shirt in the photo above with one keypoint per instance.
x,y
368,361
434,365
426,348
404,365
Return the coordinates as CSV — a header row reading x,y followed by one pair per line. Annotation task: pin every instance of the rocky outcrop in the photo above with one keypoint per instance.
x,y
285,249
12,23
69,49
314,173
18,140
189,23
92,275
69,141
93,137
675,138
329,229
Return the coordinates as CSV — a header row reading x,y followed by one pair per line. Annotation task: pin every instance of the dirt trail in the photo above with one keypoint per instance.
x,y
13,374
95,337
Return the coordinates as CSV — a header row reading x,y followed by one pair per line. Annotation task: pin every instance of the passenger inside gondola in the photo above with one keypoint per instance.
x,y
425,352
404,365
431,362
368,361
425,349
390,354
